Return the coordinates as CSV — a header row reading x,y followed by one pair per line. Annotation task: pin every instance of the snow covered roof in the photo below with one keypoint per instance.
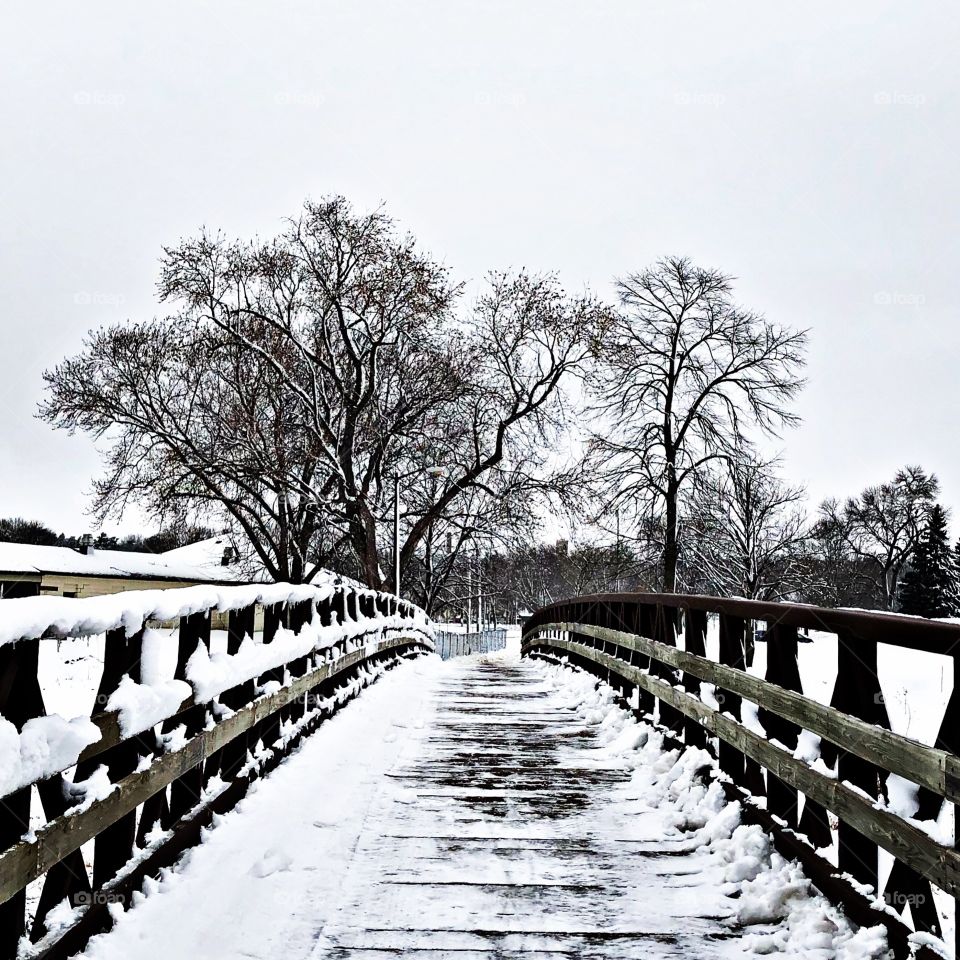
x,y
26,558
207,556
200,562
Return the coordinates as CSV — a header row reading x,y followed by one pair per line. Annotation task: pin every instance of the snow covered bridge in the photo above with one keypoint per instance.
x,y
689,804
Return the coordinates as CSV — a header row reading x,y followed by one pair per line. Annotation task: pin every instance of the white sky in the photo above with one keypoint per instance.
x,y
811,150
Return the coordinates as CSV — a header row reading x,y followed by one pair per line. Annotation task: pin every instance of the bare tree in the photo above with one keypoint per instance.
x,y
837,576
746,530
683,373
883,525
299,375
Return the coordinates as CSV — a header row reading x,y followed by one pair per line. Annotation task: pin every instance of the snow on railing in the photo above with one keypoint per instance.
x,y
152,749
34,617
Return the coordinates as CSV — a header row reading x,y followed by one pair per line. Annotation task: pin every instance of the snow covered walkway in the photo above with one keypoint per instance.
x,y
480,808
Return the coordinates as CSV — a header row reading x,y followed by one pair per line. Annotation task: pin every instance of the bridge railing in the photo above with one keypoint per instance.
x,y
451,644
753,725
160,756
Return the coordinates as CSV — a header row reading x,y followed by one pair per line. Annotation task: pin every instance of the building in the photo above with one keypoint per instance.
x,y
27,570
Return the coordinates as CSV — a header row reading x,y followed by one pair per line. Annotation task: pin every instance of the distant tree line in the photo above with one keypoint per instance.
x,y
19,530
746,533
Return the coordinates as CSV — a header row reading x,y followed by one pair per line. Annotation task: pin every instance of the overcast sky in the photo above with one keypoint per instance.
x,y
810,150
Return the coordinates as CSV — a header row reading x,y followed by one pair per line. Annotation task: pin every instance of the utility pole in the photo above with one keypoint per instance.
x,y
479,592
396,534
469,596
618,550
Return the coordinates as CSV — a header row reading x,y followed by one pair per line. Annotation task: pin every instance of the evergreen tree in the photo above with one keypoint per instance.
x,y
931,587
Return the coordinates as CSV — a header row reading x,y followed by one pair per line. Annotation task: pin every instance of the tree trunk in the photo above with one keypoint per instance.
x,y
670,547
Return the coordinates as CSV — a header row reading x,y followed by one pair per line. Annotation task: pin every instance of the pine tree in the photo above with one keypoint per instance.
x,y
931,587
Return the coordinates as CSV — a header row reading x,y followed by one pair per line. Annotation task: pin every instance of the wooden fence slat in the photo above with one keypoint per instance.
x,y
665,632
648,703
69,877
300,616
949,739
274,617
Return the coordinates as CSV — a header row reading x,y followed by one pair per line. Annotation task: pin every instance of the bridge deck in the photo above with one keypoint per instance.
x,y
460,810
503,833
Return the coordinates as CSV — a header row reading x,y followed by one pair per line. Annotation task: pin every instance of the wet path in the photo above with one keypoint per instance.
x,y
503,831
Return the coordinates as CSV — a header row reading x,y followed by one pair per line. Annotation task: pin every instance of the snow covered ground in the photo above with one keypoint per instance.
x,y
288,872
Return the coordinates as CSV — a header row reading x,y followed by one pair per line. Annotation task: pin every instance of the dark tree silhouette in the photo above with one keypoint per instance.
x,y
18,530
929,587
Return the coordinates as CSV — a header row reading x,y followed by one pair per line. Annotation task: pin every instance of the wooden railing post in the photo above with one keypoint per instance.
x,y
905,885
783,670
949,739
644,628
185,791
731,654
694,639
858,693
665,632
240,625
18,663
114,844
274,617
300,615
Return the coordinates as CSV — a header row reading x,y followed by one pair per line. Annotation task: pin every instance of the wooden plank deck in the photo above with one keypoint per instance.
x,y
504,830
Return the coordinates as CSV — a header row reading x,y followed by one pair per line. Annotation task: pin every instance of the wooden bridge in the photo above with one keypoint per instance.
x,y
502,822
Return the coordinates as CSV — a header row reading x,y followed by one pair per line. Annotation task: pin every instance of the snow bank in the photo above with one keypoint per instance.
x,y
45,746
766,892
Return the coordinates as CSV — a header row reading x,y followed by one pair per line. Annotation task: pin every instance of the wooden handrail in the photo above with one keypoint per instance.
x,y
915,633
